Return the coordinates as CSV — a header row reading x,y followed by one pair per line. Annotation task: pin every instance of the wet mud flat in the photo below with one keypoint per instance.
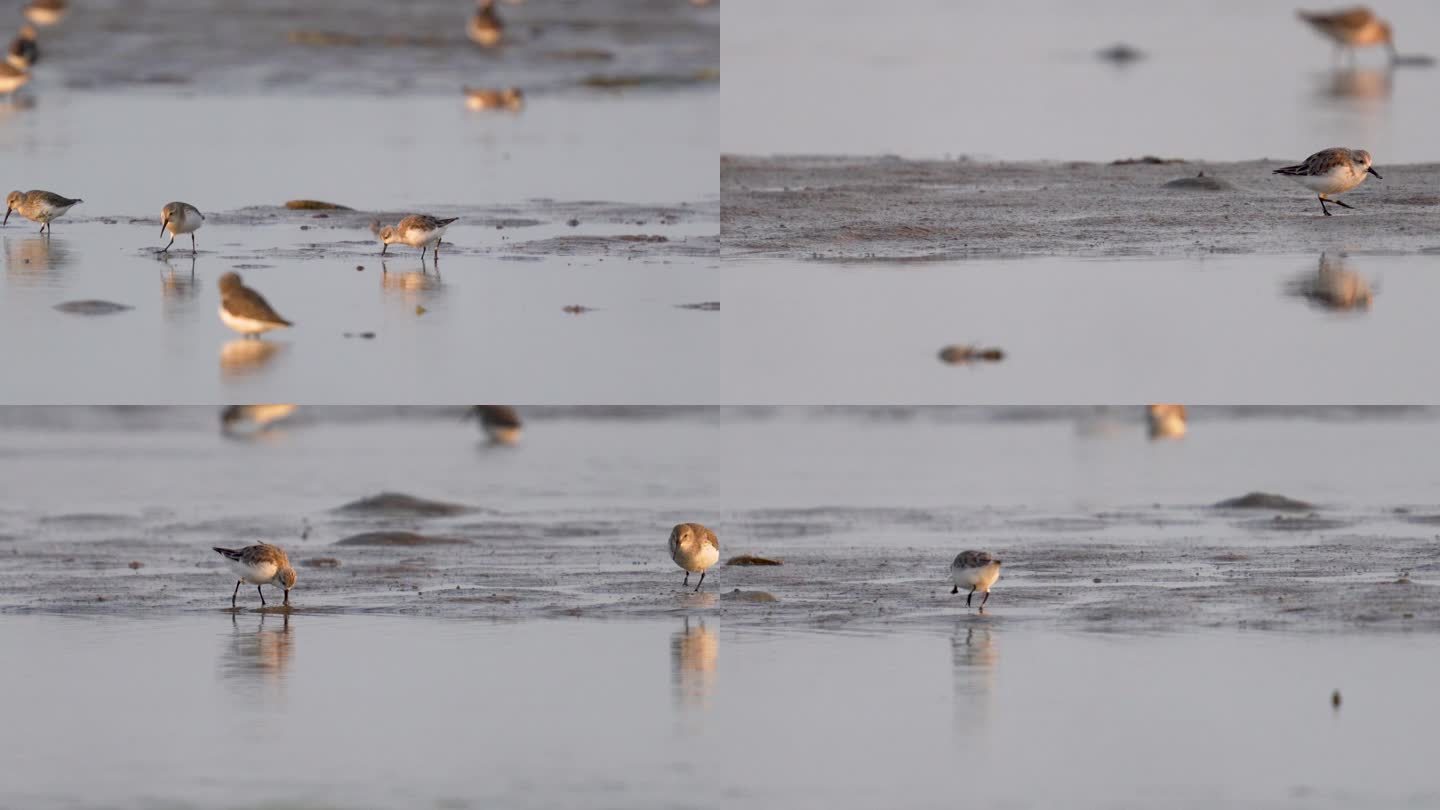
x,y
1296,572
888,208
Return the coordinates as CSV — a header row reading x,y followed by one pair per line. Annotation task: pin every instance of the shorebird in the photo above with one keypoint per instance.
x,y
416,230
258,565
1352,28
178,218
501,423
694,548
12,78
23,52
244,310
485,28
46,12
258,415
36,206
976,570
1165,421
483,98
1331,171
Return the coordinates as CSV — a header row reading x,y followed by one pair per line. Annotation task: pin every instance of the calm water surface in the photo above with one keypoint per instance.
x,y
356,711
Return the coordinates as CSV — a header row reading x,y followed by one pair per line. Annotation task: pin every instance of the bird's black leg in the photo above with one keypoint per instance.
x,y
384,247
1323,208
166,249
287,597
954,590
422,253
237,593
1341,204
192,244
701,582
687,579
262,595
969,596
986,599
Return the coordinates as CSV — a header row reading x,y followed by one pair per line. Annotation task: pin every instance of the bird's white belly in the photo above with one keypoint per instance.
x,y
699,560
245,326
1333,183
261,574
185,224
981,578
418,238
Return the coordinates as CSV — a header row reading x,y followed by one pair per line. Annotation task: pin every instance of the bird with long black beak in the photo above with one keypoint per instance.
x,y
38,206
178,218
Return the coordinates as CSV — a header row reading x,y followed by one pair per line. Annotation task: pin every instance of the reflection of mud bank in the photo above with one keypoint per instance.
x,y
885,208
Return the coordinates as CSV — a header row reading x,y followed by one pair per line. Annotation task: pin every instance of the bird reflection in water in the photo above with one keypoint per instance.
x,y
973,657
693,651
255,421
33,256
259,656
241,357
410,286
1358,84
178,285
1335,286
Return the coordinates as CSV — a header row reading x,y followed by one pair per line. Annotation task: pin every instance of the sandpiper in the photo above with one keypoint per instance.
x,y
260,416
416,230
976,570
485,28
178,218
1165,421
46,12
244,310
12,78
1352,28
501,423
258,565
484,98
37,206
1331,171
23,51
694,548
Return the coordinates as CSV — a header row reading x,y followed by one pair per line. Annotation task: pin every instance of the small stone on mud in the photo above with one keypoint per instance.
x,y
400,503
321,562
958,354
419,310
1096,580
315,205
359,268
1199,183
749,596
572,223
136,565
91,307
577,309
1335,698
1265,500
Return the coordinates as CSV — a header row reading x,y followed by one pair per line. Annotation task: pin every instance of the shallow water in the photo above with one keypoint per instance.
x,y
490,321
1214,329
1017,81
263,711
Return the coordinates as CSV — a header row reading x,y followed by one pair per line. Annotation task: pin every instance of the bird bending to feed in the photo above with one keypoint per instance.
x,y
178,218
1352,28
244,310
485,28
500,422
976,570
416,230
1331,171
261,564
37,206
483,98
46,12
694,548
23,51
1165,421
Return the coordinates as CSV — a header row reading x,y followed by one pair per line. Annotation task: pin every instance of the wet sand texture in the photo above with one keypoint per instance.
x,y
888,208
398,503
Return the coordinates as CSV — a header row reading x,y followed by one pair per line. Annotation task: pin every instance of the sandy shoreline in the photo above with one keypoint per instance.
x,y
887,208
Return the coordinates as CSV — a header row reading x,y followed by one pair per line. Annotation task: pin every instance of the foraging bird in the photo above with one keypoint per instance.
x,y
46,12
1165,421
694,548
481,98
178,218
260,416
501,423
1331,171
258,565
24,52
244,310
485,28
36,206
1352,28
416,230
12,78
976,570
